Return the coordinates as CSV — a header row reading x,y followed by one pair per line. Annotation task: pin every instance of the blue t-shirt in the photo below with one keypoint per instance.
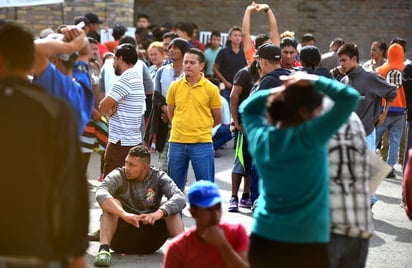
x,y
77,90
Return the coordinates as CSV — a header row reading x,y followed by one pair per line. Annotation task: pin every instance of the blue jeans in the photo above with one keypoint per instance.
x,y
371,141
347,252
222,135
254,183
394,123
200,154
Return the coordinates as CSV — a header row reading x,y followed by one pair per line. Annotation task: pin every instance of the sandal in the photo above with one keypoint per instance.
x,y
103,259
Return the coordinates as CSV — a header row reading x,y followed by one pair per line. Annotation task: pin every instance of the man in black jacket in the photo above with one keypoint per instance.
x,y
44,198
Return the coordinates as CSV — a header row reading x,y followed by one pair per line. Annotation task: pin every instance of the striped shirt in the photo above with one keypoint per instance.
x,y
128,92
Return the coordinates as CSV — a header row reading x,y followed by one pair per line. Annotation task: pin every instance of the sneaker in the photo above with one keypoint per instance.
x,y
245,203
234,206
391,174
254,206
103,259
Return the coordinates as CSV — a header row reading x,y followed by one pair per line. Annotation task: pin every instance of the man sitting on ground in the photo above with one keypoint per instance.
x,y
134,220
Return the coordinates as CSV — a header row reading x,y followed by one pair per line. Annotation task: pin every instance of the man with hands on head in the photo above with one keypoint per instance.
x,y
61,67
134,219
211,243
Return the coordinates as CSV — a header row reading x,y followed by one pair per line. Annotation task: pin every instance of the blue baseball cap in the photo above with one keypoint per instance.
x,y
204,194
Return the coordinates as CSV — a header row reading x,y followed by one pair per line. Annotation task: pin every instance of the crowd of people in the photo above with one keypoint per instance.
x,y
283,102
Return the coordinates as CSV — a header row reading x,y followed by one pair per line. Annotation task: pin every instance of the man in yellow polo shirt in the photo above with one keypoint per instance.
x,y
194,107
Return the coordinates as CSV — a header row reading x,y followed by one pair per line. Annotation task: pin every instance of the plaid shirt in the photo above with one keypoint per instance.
x,y
349,181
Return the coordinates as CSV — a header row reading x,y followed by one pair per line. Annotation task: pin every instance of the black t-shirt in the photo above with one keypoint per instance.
x,y
243,78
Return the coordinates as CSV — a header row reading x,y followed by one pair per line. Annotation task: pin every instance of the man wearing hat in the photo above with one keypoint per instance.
x,y
211,243
118,31
166,74
94,22
268,57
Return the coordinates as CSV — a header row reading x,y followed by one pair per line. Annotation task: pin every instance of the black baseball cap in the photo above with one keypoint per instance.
x,y
268,51
93,18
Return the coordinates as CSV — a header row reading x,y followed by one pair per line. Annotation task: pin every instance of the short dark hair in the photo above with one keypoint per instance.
x,y
307,37
127,39
141,152
400,41
233,29
127,52
92,40
337,43
185,27
287,41
141,15
349,49
215,33
171,35
261,39
95,35
310,56
141,31
16,46
285,104
198,52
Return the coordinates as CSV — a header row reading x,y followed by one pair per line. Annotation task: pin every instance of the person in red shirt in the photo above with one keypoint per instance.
x,y
211,243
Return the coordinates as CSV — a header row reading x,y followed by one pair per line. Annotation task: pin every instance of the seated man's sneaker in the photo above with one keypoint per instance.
x,y
103,259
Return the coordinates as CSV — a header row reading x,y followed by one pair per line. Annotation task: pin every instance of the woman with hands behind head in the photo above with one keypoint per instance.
x,y
290,153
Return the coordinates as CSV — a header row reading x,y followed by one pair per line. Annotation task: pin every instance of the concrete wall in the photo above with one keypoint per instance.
x,y
361,21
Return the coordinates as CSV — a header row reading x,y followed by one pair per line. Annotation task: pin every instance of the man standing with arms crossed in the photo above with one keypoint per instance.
x,y
125,105
194,108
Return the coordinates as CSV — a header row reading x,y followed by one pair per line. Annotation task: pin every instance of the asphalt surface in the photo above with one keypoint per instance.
x,y
390,247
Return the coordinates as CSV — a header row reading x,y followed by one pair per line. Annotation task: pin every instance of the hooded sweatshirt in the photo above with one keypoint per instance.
x,y
372,88
391,71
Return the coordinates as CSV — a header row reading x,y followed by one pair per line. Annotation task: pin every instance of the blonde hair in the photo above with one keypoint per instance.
x,y
287,34
158,45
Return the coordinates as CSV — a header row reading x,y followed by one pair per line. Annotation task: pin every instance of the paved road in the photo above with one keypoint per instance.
x,y
390,247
